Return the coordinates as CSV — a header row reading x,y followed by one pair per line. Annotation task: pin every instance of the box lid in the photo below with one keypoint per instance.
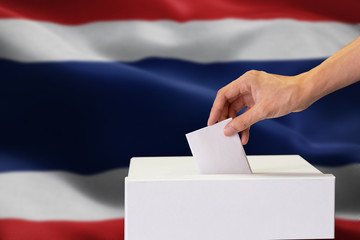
x,y
184,168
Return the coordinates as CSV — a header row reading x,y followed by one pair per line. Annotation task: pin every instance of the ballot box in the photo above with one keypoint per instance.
x,y
285,197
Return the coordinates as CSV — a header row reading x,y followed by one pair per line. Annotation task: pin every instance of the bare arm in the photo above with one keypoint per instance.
x,y
269,96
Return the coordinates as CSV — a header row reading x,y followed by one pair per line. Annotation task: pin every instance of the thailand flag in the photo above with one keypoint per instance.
x,y
86,85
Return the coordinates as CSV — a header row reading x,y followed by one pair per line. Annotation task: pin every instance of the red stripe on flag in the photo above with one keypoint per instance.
x,y
83,11
15,229
346,229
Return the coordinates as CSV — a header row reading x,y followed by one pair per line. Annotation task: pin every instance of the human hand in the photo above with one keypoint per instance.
x,y
264,95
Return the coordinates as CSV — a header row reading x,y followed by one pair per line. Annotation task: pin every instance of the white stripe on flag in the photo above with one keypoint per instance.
x,y
59,195
56,195
199,41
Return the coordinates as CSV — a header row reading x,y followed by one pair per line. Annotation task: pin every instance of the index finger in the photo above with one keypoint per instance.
x,y
223,96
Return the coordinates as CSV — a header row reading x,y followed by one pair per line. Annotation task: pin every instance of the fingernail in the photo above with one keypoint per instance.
x,y
229,130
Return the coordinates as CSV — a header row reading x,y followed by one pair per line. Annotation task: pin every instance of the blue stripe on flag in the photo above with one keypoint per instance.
x,y
87,117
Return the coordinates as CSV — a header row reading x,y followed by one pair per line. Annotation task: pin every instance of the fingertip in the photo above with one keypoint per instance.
x,y
213,117
229,130
244,140
245,136
210,121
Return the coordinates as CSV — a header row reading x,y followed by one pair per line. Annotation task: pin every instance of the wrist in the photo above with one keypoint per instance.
x,y
306,93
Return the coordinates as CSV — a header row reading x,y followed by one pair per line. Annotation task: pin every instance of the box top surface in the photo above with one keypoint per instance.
x,y
181,168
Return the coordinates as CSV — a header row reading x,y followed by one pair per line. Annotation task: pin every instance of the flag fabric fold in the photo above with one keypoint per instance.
x,y
87,85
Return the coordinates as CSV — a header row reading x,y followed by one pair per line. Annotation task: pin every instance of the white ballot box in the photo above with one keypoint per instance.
x,y
285,198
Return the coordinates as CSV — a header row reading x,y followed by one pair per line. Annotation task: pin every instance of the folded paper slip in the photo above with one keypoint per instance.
x,y
216,153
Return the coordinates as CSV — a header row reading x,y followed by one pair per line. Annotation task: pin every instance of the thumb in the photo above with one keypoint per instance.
x,y
242,122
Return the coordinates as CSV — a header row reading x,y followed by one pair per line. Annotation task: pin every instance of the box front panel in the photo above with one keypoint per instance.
x,y
279,208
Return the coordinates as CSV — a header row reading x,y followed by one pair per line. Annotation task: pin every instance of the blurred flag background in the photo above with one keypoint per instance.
x,y
86,85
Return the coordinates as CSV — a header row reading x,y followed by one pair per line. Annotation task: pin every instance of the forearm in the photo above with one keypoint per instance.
x,y
269,96
336,72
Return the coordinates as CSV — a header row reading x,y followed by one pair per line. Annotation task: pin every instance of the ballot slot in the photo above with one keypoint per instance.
x,y
215,153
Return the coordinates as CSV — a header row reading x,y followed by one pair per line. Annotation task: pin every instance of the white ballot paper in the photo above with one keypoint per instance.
x,y
216,153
